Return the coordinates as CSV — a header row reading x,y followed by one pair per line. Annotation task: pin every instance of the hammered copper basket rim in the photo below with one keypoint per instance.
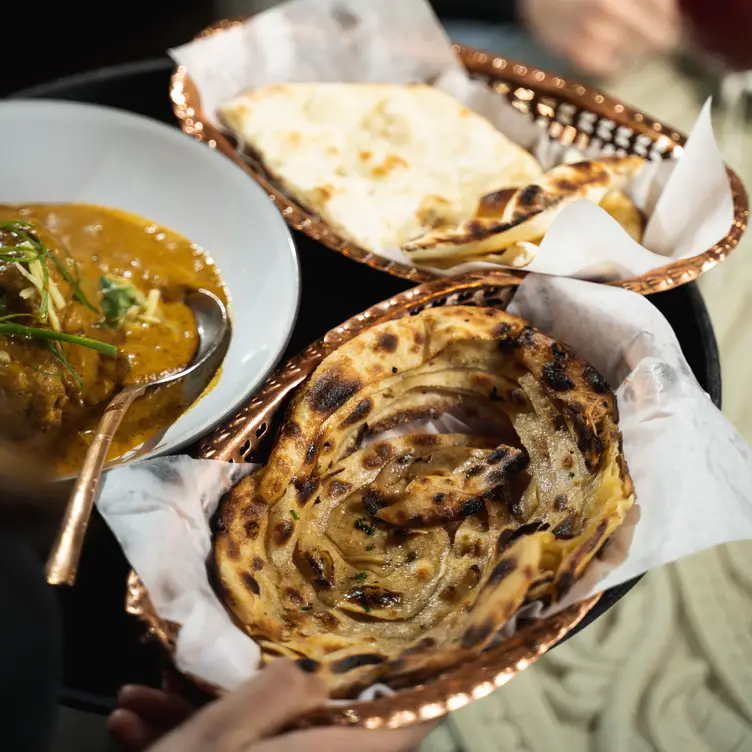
x,y
460,685
504,72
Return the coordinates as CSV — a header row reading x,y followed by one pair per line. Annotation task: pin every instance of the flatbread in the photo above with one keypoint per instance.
x,y
624,211
519,255
381,163
505,219
368,557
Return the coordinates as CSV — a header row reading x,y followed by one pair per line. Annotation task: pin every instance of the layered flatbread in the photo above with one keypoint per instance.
x,y
372,556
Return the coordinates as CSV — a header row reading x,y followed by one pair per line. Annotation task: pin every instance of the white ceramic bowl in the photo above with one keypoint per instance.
x,y
53,151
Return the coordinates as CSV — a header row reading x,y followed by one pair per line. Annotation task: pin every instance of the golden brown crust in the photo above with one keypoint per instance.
x,y
506,217
391,558
624,211
340,148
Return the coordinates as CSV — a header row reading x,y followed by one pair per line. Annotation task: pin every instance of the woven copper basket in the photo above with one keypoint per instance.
x,y
571,113
245,437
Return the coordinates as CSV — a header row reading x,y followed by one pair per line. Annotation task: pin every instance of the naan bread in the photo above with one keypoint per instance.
x,y
369,557
381,163
508,219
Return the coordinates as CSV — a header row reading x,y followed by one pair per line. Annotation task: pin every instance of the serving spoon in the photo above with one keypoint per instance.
x,y
62,563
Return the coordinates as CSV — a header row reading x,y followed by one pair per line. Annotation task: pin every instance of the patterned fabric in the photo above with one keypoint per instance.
x,y
668,669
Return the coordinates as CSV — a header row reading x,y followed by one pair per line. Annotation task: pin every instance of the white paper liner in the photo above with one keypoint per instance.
x,y
159,511
689,204
692,474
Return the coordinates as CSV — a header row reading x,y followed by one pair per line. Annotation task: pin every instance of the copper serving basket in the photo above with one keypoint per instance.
x,y
571,113
242,439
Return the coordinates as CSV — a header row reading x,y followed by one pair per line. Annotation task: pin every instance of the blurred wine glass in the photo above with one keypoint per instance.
x,y
722,29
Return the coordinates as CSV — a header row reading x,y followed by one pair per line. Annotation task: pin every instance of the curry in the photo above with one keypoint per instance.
x,y
92,299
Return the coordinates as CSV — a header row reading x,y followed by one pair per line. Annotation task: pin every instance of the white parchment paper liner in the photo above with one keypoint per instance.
x,y
692,474
689,203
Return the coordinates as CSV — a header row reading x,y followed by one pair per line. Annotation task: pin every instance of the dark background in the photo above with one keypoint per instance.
x,y
45,41
42,42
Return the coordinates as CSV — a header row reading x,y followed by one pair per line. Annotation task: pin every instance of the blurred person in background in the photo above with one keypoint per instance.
x,y
592,38
588,37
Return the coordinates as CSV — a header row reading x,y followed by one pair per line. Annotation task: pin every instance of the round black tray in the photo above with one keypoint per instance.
x,y
104,647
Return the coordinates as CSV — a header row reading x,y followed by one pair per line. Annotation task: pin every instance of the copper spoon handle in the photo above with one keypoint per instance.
x,y
62,562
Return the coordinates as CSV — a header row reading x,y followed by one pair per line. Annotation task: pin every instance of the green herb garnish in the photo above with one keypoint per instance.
x,y
361,524
33,249
32,332
370,546
117,300
13,224
361,577
47,374
294,514
17,253
44,293
30,255
307,608
59,354
78,293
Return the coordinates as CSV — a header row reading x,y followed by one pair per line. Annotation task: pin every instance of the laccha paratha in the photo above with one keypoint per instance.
x,y
369,557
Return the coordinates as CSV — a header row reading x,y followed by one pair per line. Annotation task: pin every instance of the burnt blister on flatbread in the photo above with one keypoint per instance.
x,y
369,556
509,224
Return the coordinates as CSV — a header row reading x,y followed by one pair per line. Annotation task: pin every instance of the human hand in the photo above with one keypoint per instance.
x,y
602,36
247,720
144,715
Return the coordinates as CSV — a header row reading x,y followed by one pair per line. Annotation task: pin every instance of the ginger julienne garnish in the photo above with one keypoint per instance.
x,y
30,257
93,299
120,300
